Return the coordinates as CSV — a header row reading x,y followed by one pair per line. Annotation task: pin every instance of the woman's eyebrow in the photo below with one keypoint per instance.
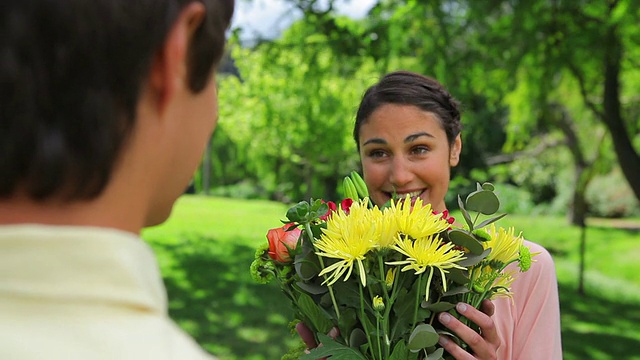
x,y
375,141
413,137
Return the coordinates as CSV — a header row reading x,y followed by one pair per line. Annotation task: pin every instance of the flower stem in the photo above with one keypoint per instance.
x,y
415,310
307,228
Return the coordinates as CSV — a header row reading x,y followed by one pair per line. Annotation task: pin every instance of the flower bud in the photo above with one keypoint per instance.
x,y
378,303
391,275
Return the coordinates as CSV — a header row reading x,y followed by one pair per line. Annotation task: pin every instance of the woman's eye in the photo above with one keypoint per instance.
x,y
420,150
377,154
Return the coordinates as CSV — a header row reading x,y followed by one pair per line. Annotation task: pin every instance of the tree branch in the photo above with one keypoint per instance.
x,y
583,90
546,144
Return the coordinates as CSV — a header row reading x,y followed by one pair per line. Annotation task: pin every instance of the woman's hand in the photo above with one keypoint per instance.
x,y
308,337
484,346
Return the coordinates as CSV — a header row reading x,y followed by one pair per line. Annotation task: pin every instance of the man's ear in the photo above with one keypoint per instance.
x,y
454,154
169,67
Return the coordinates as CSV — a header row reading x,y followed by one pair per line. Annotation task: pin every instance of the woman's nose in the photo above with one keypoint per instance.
x,y
400,174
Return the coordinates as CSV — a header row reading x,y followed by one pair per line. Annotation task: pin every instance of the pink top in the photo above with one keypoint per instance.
x,y
529,325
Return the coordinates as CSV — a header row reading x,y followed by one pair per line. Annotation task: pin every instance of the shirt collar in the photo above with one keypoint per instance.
x,y
80,264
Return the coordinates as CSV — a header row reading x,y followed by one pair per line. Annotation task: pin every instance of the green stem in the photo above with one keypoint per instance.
x,y
307,228
417,304
363,319
378,337
385,319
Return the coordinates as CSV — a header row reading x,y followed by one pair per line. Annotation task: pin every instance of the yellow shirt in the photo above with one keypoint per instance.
x,y
84,293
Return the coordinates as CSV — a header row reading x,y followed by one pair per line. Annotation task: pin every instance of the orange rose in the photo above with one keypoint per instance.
x,y
281,240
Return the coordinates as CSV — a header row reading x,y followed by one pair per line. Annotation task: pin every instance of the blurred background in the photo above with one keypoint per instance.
x,y
551,97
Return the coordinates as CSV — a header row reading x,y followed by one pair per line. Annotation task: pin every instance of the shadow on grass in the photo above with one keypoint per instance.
x,y
212,296
594,327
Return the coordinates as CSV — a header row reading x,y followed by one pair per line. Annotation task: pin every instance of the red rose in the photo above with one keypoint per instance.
x,y
280,239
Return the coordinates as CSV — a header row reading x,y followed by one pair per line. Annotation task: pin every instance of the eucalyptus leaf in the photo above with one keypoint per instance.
x,y
306,264
473,260
456,291
436,355
332,348
488,186
465,213
357,338
451,336
441,306
463,238
459,276
311,288
424,335
484,202
489,221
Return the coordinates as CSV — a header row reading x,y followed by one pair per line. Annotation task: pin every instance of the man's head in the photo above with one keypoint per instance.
x,y
80,80
72,73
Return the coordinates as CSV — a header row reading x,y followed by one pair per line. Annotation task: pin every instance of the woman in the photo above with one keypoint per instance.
x,y
407,131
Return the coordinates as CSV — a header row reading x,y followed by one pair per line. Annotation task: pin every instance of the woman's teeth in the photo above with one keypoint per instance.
x,y
412,194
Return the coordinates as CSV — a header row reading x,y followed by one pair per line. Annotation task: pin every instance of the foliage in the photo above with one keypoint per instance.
x,y
290,114
207,244
610,196
382,275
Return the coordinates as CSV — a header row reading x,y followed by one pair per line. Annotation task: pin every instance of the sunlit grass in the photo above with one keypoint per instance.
x,y
206,247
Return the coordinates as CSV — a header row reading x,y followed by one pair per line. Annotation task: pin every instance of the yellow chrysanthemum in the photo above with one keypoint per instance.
x,y
386,227
504,244
347,238
503,285
416,220
427,253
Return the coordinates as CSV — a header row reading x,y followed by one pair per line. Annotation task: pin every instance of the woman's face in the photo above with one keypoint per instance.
x,y
404,150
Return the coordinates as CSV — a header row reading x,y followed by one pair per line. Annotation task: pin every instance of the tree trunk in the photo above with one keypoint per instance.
x,y
206,169
583,252
578,208
628,158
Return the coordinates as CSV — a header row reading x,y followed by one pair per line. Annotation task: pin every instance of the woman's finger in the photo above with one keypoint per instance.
x,y
306,335
483,346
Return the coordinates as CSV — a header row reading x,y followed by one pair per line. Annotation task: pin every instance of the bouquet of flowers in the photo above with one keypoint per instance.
x,y
382,274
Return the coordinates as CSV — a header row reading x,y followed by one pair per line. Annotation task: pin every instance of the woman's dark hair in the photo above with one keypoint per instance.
x,y
408,88
71,74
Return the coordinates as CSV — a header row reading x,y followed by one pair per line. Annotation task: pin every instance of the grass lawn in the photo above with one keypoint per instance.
x,y
205,250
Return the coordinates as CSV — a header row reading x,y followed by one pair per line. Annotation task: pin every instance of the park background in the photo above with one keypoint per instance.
x,y
551,97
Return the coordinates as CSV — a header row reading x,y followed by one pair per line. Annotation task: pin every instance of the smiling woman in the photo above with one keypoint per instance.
x,y
407,131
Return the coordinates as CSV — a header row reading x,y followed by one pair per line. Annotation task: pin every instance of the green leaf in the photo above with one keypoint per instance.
x,y
311,288
463,238
436,355
400,352
483,201
441,306
306,264
298,212
459,276
318,318
488,186
332,348
456,291
465,213
424,335
489,221
357,338
473,259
